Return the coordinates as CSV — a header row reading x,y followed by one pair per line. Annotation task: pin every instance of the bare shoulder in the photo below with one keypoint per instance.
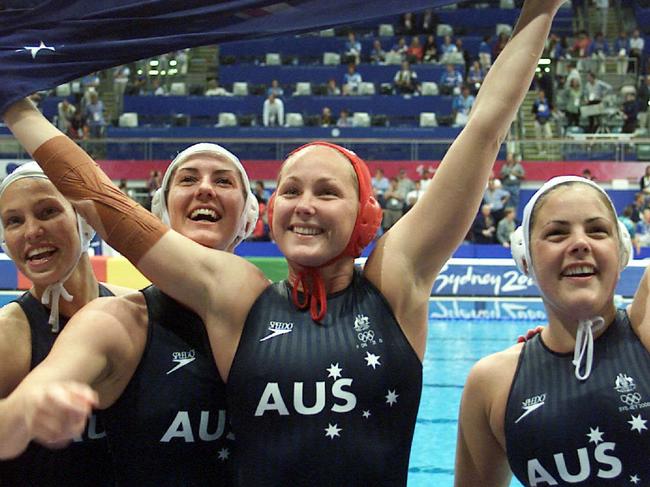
x,y
118,290
15,347
494,373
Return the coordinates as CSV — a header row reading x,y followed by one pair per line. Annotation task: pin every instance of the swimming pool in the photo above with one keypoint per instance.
x,y
453,347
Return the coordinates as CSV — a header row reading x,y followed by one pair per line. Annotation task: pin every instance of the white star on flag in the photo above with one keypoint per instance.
x,y
366,414
332,430
634,479
224,453
595,435
372,359
335,371
638,423
391,397
35,49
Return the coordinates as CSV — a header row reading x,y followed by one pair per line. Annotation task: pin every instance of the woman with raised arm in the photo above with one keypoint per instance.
x,y
324,369
568,406
48,242
149,358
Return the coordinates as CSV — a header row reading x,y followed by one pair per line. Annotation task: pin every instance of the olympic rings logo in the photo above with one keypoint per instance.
x,y
366,336
631,399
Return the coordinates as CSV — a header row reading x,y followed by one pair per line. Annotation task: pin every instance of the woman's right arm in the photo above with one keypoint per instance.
x,y
211,280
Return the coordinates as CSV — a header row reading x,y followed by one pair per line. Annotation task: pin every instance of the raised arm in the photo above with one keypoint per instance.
x,y
89,366
639,310
422,241
163,256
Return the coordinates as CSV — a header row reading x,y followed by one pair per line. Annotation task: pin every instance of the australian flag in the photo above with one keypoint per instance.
x,y
47,43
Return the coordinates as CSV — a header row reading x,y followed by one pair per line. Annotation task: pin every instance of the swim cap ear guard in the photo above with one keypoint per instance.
x,y
249,214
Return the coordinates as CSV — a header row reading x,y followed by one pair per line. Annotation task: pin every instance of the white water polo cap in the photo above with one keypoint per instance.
x,y
250,213
54,291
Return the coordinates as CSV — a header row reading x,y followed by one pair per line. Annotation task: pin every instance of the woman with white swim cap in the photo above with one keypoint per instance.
x,y
148,357
568,406
49,244
312,420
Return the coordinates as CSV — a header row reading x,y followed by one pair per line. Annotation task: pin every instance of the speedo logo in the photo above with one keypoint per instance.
x,y
278,328
531,404
182,359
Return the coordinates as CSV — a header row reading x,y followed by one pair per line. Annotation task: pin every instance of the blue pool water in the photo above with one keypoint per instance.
x,y
453,347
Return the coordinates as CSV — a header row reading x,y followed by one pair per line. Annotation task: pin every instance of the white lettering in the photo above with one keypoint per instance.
x,y
349,398
203,426
585,467
180,428
91,431
298,400
272,391
614,462
537,473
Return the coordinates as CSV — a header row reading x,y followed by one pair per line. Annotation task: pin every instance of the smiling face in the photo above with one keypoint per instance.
x,y
316,206
40,230
575,252
205,200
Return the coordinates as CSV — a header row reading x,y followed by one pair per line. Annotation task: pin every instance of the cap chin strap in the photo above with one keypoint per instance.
x,y
585,344
315,297
51,297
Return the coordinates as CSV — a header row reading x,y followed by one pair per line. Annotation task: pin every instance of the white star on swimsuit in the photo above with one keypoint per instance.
x,y
366,414
332,430
634,479
224,453
372,359
35,49
391,397
638,423
595,435
334,371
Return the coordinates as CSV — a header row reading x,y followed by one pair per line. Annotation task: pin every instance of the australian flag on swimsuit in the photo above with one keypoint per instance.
x,y
50,42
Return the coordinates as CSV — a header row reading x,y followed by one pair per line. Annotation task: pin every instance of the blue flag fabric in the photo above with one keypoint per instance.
x,y
61,40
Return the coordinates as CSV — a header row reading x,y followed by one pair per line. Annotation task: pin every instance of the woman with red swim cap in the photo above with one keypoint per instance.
x,y
323,369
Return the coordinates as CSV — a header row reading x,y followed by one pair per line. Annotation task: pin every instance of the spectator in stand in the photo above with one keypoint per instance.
x,y
626,219
598,51
273,112
352,50
502,40
380,185
262,194
404,183
65,114
460,48
554,49
90,82
637,46
572,101
451,80
275,89
429,22
405,81
595,91
484,229
644,183
137,87
630,111
643,228
261,229
485,53
344,119
622,52
581,45
413,195
638,205
377,55
213,89
542,111
332,89
506,226
326,118
351,80
475,76
156,88
643,93
95,116
447,49
79,129
587,174
415,52
394,205
430,51
407,24
121,75
572,72
496,197
461,106
512,174
400,48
